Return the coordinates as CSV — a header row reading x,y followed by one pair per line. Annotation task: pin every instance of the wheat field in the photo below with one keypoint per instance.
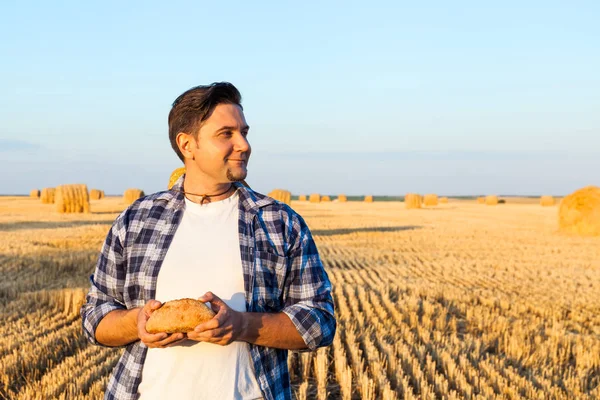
x,y
460,301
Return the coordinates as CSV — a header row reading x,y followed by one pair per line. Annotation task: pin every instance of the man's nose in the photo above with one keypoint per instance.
x,y
241,143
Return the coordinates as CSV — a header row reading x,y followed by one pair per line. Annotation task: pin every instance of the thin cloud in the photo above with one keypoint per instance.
x,y
17,145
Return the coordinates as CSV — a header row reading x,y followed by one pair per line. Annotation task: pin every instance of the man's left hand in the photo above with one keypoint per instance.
x,y
224,328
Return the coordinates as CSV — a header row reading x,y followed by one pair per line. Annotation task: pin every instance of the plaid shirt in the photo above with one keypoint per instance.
x,y
281,267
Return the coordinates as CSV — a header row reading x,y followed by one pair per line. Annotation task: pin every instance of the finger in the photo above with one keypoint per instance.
x,y
208,296
212,335
165,340
201,337
175,337
210,324
204,336
149,338
175,343
221,341
152,304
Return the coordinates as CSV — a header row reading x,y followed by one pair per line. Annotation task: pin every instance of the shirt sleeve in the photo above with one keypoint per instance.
x,y
107,282
309,303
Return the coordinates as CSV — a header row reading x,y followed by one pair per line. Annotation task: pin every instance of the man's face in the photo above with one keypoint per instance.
x,y
221,151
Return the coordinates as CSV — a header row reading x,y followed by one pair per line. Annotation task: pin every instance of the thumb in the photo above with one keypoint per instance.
x,y
212,298
154,305
208,296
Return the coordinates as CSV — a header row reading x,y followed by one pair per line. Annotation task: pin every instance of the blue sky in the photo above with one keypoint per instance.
x,y
376,98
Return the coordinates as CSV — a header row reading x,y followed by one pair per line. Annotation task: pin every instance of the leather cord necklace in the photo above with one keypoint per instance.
x,y
204,196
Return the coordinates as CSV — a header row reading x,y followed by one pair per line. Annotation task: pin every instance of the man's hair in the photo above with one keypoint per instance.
x,y
195,106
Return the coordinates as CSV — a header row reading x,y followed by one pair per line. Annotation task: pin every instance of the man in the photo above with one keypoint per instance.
x,y
209,237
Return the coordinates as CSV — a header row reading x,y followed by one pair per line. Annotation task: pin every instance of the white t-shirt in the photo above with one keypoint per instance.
x,y
204,256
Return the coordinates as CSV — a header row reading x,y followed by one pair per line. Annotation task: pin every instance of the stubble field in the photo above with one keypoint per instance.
x,y
456,301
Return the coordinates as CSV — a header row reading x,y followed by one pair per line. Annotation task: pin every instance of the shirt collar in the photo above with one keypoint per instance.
x,y
250,200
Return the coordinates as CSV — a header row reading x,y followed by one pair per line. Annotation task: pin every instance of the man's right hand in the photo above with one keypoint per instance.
x,y
155,340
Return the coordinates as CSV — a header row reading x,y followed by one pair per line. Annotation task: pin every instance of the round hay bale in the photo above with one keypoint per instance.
x,y
34,194
368,199
413,200
481,200
302,197
132,195
315,198
430,200
47,195
281,195
579,212
491,200
176,174
546,201
72,199
96,194
325,199
342,198
443,200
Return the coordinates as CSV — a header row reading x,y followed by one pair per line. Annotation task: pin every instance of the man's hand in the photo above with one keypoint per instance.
x,y
224,328
155,340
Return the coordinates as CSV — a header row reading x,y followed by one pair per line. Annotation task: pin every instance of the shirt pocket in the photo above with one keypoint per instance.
x,y
269,279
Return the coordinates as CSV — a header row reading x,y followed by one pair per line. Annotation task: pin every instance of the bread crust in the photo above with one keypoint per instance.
x,y
179,316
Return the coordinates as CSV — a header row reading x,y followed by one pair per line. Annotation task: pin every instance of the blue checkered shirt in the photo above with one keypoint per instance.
x,y
281,267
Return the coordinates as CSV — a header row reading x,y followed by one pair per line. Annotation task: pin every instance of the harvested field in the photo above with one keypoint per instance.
x,y
457,301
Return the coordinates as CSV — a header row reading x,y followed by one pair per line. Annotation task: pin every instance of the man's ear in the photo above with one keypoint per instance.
x,y
186,144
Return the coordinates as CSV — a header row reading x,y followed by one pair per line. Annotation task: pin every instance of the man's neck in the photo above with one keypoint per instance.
x,y
202,192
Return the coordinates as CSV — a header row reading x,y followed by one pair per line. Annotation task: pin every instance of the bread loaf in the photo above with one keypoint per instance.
x,y
181,315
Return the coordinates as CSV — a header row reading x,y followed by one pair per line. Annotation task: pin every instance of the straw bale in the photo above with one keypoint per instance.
x,y
47,195
174,176
315,198
546,201
302,197
72,199
443,200
368,199
579,212
35,194
96,194
342,198
325,199
481,200
491,200
284,196
430,200
132,195
413,200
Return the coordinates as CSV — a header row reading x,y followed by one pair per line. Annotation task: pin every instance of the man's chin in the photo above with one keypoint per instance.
x,y
236,176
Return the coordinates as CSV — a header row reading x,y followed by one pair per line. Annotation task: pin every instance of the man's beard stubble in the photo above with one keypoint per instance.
x,y
236,178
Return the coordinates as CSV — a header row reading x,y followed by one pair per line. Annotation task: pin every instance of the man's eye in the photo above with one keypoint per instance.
x,y
227,133
245,133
